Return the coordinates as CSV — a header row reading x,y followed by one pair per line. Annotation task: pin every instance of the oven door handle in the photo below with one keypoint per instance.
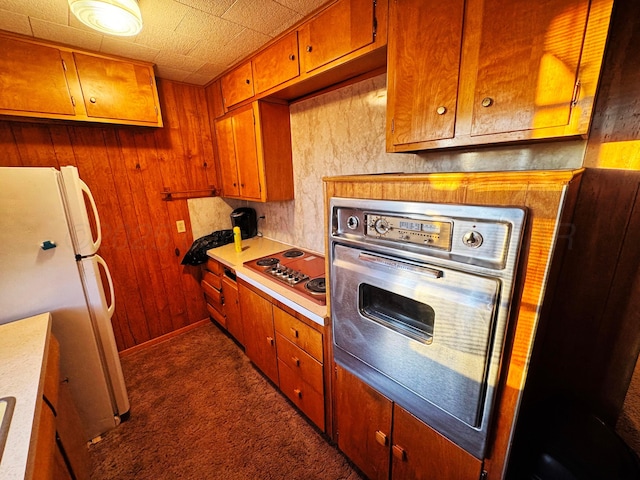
x,y
388,262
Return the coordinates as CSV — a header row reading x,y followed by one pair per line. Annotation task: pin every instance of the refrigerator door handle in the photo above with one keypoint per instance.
x,y
96,244
112,297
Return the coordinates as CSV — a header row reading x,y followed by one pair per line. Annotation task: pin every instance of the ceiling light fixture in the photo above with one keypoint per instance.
x,y
114,17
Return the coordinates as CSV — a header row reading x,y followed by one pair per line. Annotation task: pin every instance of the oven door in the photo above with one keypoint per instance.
x,y
426,328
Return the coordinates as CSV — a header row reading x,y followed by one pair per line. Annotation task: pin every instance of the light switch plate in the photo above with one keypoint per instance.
x,y
180,226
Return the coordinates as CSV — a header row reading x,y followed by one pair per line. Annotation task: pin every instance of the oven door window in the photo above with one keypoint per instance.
x,y
404,315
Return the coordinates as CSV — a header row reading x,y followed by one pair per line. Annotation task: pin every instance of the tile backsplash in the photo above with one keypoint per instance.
x,y
342,132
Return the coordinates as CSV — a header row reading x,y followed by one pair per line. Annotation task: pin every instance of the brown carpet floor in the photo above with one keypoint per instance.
x,y
200,410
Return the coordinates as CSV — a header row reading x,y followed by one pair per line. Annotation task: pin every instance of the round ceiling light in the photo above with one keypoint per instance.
x,y
114,17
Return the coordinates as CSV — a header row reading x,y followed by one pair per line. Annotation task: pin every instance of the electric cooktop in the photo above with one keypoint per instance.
x,y
298,270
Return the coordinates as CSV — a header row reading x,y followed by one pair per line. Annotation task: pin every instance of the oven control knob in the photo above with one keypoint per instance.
x,y
472,239
381,226
352,222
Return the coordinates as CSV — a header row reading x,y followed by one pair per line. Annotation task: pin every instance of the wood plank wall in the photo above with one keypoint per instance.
x,y
126,169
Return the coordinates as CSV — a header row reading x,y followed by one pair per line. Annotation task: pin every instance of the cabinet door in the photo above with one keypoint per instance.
x,y
363,423
425,38
237,85
32,79
341,29
227,157
528,59
276,64
259,333
421,453
116,89
232,309
244,133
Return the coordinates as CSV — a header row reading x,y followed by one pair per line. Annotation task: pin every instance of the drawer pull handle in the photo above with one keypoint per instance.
x,y
382,438
296,361
294,332
298,392
270,340
400,453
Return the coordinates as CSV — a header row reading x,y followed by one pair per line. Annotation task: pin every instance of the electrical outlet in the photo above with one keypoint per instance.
x,y
181,227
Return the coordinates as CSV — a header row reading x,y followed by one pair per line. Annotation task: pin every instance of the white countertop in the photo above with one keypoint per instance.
x,y
23,351
257,247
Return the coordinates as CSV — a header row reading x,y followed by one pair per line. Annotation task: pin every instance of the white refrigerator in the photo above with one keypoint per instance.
x,y
49,263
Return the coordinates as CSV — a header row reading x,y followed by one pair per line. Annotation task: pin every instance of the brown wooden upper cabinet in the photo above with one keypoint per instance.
x,y
46,81
341,29
254,151
277,63
237,85
490,71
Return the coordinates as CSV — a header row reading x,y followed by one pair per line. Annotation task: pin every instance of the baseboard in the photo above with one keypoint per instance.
x,y
162,338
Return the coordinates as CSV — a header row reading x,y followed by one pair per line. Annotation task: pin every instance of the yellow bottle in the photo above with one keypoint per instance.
x,y
237,239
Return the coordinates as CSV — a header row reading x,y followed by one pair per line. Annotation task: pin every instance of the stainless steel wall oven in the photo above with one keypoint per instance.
x,y
420,296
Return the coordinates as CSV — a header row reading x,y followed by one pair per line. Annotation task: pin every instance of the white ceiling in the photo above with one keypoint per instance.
x,y
190,41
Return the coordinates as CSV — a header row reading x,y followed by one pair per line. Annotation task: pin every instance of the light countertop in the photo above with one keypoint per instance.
x,y
23,352
257,247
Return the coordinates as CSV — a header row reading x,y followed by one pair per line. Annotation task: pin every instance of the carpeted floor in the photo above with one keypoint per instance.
x,y
200,410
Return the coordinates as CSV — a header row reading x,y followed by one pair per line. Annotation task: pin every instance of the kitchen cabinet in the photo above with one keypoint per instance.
x,y
259,331
254,152
276,64
386,442
237,85
60,451
477,72
341,29
300,365
231,308
211,284
221,296
47,81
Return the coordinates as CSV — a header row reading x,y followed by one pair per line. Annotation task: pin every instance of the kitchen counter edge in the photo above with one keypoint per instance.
x,y
258,247
24,348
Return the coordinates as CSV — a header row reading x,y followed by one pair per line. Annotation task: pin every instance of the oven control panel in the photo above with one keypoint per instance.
x,y
436,234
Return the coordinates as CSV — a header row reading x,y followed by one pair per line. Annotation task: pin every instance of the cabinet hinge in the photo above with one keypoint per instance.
x,y
150,80
483,475
576,92
393,125
375,19
64,65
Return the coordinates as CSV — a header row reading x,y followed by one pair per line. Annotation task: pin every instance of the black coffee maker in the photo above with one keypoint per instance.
x,y
245,218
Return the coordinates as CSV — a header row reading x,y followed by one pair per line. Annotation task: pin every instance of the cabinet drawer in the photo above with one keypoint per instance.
x,y
213,280
217,315
301,363
214,267
298,333
299,392
212,295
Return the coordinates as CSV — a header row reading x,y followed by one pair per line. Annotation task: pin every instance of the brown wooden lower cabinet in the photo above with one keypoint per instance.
x,y
387,442
287,350
259,332
61,452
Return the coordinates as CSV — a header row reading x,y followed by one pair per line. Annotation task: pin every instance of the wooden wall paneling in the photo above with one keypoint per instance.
x,y
140,226
178,171
95,158
206,135
134,296
62,145
160,239
620,330
35,145
10,154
